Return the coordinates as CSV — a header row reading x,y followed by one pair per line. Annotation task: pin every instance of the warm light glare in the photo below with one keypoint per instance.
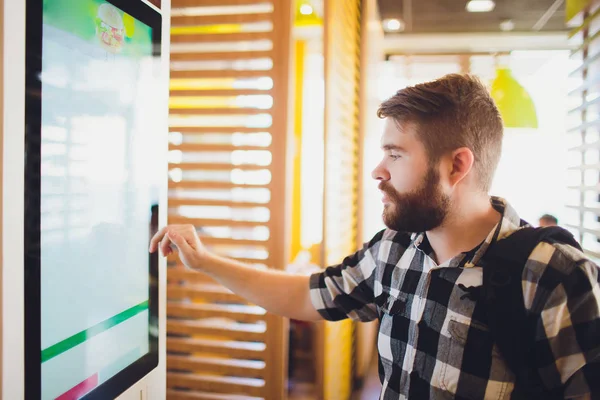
x,y
393,25
480,6
507,25
306,9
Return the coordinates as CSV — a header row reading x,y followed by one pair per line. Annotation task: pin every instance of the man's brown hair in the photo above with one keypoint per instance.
x,y
452,112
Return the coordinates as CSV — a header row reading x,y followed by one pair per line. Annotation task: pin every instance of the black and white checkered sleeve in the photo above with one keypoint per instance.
x,y
346,290
568,342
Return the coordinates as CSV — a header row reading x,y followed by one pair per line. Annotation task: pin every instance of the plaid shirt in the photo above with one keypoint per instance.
x,y
425,319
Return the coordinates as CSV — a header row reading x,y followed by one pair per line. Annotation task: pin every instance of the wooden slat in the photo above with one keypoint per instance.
x,y
222,366
186,274
197,20
218,111
238,313
218,328
212,185
218,92
252,387
178,201
221,55
233,349
175,262
214,3
219,130
226,73
208,292
252,262
176,219
181,273
220,37
212,241
174,394
214,147
191,166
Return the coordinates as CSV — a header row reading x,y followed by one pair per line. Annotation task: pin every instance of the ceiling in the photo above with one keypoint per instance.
x,y
444,16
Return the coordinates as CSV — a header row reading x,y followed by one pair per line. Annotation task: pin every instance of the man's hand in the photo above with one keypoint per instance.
x,y
278,292
191,250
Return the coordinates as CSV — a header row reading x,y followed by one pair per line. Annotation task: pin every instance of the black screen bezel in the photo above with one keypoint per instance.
x,y
123,380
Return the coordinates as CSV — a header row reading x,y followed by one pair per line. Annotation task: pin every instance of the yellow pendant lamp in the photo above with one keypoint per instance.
x,y
306,14
513,101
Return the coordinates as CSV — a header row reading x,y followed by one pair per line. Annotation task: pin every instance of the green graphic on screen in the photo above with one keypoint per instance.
x,y
100,23
97,191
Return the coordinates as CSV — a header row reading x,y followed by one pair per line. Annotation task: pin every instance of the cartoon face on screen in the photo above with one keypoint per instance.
x,y
110,29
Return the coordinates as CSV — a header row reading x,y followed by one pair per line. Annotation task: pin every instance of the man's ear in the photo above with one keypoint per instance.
x,y
462,163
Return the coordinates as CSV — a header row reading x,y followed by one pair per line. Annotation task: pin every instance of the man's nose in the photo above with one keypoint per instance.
x,y
380,173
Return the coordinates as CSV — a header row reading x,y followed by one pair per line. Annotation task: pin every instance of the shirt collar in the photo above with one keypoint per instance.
x,y
509,223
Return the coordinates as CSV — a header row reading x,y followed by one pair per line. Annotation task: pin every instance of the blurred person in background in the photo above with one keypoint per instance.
x,y
548,220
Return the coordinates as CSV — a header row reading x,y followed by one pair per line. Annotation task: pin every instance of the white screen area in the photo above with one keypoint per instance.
x,y
98,188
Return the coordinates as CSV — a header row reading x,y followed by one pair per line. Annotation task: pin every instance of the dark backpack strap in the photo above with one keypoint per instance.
x,y
511,326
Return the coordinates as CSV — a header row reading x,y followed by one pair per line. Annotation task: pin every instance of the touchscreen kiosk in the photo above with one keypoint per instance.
x,y
94,108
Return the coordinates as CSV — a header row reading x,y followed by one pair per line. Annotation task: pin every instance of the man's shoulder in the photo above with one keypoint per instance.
x,y
562,258
553,269
542,248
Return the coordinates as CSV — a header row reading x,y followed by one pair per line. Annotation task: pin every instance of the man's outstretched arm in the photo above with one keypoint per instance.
x,y
280,293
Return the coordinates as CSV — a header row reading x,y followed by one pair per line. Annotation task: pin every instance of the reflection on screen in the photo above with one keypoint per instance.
x,y
98,192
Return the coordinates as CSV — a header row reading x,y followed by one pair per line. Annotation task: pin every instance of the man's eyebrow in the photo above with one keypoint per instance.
x,y
393,147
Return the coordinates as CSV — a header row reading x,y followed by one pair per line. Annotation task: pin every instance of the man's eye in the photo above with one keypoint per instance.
x,y
394,156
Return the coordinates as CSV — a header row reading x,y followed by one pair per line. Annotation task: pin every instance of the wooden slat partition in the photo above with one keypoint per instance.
x,y
342,159
218,327
228,127
372,55
221,37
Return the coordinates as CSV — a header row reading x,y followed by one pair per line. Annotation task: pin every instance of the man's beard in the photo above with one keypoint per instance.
x,y
421,210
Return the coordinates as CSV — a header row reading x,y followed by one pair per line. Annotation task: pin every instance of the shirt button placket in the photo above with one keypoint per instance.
x,y
422,301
